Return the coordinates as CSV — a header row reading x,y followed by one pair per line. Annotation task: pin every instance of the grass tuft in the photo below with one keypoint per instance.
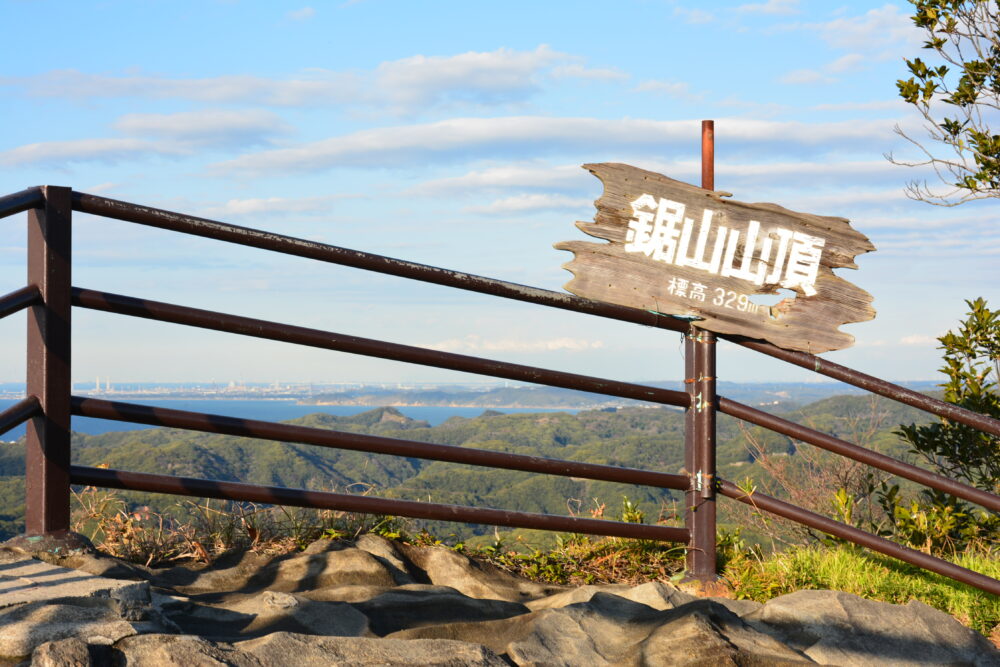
x,y
868,575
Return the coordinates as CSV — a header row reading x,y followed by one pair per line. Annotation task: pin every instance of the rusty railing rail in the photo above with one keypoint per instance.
x,y
289,245
328,340
18,202
279,495
48,297
18,300
19,413
251,428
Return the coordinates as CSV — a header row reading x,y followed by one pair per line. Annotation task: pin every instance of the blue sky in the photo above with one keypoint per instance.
x,y
452,133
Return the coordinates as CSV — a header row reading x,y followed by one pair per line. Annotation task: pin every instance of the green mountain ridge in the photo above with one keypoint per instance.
x,y
646,438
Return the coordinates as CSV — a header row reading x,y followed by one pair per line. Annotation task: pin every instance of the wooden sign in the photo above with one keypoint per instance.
x,y
680,250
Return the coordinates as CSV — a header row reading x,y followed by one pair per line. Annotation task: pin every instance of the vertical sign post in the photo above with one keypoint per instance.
x,y
699,432
48,446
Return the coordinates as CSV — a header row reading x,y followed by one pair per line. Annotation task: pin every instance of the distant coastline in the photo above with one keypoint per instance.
x,y
464,404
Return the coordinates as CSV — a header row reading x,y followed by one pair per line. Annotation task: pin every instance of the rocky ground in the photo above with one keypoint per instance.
x,y
375,602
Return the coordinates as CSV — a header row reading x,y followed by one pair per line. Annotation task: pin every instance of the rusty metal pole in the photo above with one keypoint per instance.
x,y
48,449
699,432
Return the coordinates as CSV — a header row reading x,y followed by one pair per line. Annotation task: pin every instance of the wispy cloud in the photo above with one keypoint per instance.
x,y
847,63
59,153
312,88
506,136
671,88
548,177
532,203
883,32
406,85
695,16
770,7
478,344
504,75
875,105
303,14
578,71
275,206
919,339
207,127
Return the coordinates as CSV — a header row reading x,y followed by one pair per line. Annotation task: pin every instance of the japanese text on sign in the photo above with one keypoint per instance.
x,y
660,230
695,291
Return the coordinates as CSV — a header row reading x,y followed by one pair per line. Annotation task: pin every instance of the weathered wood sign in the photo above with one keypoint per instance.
x,y
680,250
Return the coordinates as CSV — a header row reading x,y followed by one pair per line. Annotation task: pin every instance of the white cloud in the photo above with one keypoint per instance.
x,y
736,176
733,176
275,206
844,198
303,14
405,85
845,63
566,176
673,88
877,105
771,7
884,32
313,88
475,343
531,203
207,127
918,339
596,73
459,137
497,76
100,188
696,16
58,153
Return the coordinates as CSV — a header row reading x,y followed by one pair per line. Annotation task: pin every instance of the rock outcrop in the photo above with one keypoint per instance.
x,y
373,602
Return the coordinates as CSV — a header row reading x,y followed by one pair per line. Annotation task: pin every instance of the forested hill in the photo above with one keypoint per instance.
x,y
649,438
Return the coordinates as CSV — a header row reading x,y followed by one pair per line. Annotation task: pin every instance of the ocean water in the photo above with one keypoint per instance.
x,y
260,409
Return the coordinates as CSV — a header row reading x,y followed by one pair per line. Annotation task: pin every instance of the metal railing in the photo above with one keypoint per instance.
x,y
49,298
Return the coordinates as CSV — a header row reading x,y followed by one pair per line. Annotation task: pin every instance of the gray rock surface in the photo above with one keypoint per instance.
x,y
183,651
842,629
417,606
261,613
705,632
444,567
25,579
374,602
70,652
323,651
26,626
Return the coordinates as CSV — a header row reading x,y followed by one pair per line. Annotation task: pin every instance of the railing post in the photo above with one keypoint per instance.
x,y
699,453
48,365
699,427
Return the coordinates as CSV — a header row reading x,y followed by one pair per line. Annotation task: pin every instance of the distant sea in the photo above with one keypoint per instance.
x,y
261,409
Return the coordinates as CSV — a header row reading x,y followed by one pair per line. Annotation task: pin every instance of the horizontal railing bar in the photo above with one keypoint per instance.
x,y
857,536
276,495
19,299
19,413
250,428
852,451
204,227
290,245
246,326
873,384
21,201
